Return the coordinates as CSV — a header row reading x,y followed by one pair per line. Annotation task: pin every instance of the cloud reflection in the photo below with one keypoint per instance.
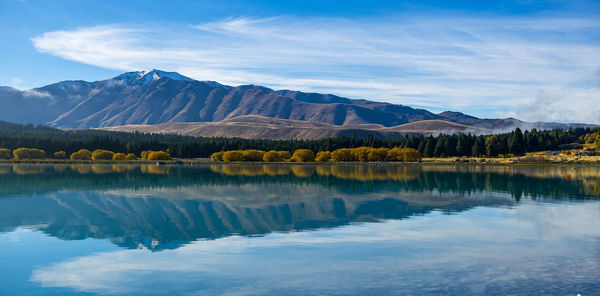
x,y
431,254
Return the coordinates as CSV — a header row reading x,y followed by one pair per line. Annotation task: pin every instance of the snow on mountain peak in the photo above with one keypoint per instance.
x,y
145,77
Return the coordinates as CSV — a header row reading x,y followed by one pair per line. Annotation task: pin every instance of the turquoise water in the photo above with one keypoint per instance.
x,y
299,230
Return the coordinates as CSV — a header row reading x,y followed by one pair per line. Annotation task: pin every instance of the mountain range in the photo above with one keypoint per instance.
x,y
159,101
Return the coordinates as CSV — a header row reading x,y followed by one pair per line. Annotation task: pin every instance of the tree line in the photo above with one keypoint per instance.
x,y
51,140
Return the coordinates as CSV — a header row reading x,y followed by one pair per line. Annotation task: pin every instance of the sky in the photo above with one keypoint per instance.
x,y
533,60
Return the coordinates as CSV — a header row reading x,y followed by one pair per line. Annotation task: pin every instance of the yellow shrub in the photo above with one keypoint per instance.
x,y
343,154
303,155
100,154
378,154
361,153
411,154
323,156
272,156
81,154
159,155
144,154
131,156
404,154
395,154
29,153
119,156
253,155
60,155
285,155
233,156
217,156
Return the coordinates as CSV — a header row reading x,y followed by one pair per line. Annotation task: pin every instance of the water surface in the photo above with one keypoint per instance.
x,y
232,229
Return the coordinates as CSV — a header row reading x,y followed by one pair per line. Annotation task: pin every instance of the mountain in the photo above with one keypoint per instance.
x,y
158,97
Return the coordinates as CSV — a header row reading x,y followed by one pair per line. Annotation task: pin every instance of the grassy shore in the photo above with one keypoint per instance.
x,y
537,157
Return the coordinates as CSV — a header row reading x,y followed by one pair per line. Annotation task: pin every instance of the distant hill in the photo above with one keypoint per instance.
x,y
260,127
159,97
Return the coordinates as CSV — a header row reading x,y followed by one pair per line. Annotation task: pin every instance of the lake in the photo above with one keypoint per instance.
x,y
254,229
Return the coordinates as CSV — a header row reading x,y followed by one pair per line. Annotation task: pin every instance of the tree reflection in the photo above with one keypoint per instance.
x,y
530,181
162,207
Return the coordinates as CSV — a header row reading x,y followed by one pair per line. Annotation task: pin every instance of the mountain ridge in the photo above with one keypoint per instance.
x,y
158,97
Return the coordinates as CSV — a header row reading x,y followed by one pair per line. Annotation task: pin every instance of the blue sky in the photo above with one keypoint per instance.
x,y
534,60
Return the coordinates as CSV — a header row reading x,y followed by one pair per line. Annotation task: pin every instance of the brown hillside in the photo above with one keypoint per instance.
x,y
259,127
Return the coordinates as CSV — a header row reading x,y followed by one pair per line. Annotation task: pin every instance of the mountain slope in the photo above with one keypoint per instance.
x,y
166,100
259,127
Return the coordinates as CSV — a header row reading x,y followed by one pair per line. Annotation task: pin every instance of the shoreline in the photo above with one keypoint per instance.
x,y
425,161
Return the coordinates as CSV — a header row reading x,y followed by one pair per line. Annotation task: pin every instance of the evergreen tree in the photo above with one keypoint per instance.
x,y
428,151
491,147
478,148
440,147
463,145
515,142
421,147
450,145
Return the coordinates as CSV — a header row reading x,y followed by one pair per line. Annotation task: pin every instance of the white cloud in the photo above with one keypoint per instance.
x,y
36,94
560,104
448,62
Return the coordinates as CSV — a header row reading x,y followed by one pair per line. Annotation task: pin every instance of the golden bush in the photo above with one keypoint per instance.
x,y
378,154
29,153
159,155
323,156
144,154
253,155
60,155
119,156
82,154
361,153
285,155
303,155
100,154
272,156
217,156
343,154
233,155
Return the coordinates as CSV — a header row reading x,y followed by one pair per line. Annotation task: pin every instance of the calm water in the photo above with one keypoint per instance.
x,y
299,230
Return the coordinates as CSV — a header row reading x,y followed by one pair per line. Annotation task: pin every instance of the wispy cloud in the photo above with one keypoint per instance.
x,y
32,93
466,63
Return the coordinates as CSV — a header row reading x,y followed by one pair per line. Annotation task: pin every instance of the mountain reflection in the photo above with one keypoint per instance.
x,y
161,207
